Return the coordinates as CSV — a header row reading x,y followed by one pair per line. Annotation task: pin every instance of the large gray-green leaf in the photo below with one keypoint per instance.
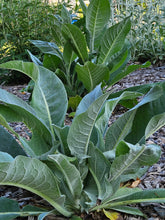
x,y
8,143
5,157
121,193
65,15
99,167
119,62
49,97
154,106
56,30
116,76
69,55
76,38
123,125
103,120
35,176
62,134
10,209
34,59
88,99
92,74
97,16
47,47
15,110
128,209
137,157
70,173
52,62
49,92
119,130
82,126
154,124
113,40
149,196
141,89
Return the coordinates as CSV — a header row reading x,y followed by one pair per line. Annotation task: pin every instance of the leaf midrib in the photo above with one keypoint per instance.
x,y
44,196
76,45
124,166
93,35
112,45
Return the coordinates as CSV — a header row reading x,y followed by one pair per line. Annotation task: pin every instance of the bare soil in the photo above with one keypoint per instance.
x,y
154,178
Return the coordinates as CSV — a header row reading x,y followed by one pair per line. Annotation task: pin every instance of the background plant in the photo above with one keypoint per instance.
x,y
88,158
86,51
21,20
146,35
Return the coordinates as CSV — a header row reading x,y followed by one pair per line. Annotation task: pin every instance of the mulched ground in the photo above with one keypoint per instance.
x,y
154,178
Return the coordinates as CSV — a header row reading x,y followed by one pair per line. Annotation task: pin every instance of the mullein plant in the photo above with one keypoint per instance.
x,y
87,50
84,167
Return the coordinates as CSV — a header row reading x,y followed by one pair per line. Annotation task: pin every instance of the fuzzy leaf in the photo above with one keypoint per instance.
x,y
82,126
70,173
129,210
10,209
92,74
34,59
14,109
118,75
113,40
35,176
137,157
65,15
62,134
5,157
48,95
8,143
154,124
88,99
155,105
51,62
69,54
102,121
99,167
121,193
47,47
73,35
119,130
97,16
123,125
149,196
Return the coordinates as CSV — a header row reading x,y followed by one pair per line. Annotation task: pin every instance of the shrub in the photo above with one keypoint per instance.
x,y
20,21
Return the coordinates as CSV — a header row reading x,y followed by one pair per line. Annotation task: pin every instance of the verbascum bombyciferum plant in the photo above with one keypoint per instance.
x,y
73,167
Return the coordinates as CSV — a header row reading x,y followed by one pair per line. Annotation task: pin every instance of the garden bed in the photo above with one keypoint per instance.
x,y
154,178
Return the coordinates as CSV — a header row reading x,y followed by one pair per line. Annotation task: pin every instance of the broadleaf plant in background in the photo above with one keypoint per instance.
x,y
89,51
74,166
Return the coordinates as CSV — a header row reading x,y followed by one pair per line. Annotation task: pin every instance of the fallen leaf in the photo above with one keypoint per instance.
x,y
112,215
135,183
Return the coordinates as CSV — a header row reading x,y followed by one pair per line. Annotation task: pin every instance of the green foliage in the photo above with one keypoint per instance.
x,y
87,51
21,20
73,167
148,27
